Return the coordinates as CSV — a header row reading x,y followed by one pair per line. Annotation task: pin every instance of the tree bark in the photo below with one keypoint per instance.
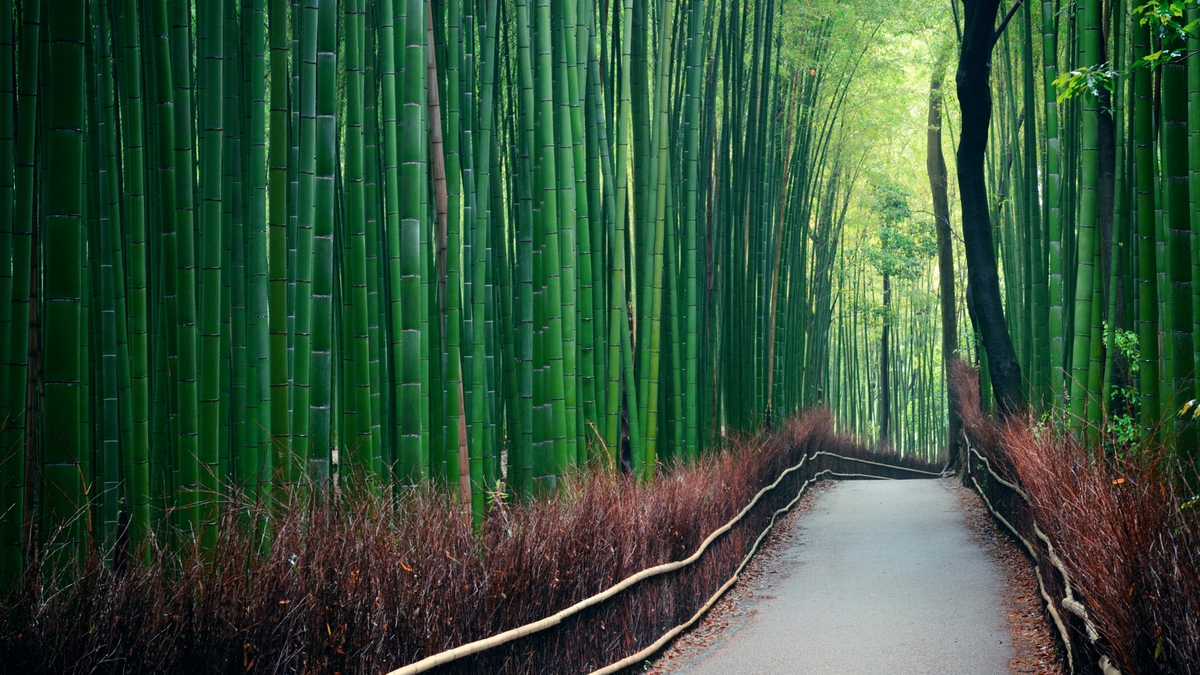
x,y
975,103
935,166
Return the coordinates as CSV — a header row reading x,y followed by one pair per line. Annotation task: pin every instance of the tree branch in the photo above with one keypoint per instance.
x,y
1004,24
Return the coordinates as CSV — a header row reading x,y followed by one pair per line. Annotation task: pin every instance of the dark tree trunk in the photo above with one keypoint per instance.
x,y
885,389
935,166
975,102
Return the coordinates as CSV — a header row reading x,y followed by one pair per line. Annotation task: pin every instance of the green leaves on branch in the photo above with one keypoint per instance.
x,y
1166,21
1166,16
1122,428
1088,78
1128,345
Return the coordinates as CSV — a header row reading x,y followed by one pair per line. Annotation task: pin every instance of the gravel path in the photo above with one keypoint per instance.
x,y
881,577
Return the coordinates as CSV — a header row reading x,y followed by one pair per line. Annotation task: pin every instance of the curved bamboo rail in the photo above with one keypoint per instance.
x,y
507,636
658,644
1069,602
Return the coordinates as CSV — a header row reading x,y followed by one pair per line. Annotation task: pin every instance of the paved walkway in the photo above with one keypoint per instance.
x,y
881,578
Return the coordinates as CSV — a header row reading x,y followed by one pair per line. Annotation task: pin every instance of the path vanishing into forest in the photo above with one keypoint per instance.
x,y
881,577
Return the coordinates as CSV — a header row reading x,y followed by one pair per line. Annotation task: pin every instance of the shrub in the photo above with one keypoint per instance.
x,y
359,583
1129,541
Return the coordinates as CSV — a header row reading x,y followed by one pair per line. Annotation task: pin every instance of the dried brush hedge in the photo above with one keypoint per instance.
x,y
364,584
1125,527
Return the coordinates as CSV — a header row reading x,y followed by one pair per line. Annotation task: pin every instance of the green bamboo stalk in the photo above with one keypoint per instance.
x,y
1148,326
22,130
602,210
543,440
691,234
163,452
1088,214
372,205
1193,158
412,460
275,466
187,454
114,422
238,415
321,367
652,342
212,20
363,455
1037,294
553,341
64,322
1051,202
231,406
8,93
620,357
308,459
588,211
565,93
455,441
525,259
479,249
673,398
258,384
1176,214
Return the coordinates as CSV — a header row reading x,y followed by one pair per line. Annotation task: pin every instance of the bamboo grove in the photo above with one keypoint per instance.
x,y
885,378
254,246
907,386
1094,172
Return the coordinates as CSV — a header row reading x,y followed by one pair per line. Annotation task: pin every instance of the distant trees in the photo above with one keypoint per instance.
x,y
903,248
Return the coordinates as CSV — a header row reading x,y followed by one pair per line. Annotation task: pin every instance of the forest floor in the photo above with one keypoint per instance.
x,y
867,577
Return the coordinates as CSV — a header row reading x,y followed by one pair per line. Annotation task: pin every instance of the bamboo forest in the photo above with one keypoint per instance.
x,y
338,334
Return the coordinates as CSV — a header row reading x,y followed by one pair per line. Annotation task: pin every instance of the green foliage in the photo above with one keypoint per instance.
x,y
1090,79
890,201
905,245
1129,347
1166,22
1122,429
1165,18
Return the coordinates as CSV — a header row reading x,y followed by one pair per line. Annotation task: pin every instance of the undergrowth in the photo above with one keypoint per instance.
x,y
357,583
1125,526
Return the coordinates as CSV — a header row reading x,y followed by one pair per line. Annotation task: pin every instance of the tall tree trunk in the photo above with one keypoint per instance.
x,y
975,102
935,166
